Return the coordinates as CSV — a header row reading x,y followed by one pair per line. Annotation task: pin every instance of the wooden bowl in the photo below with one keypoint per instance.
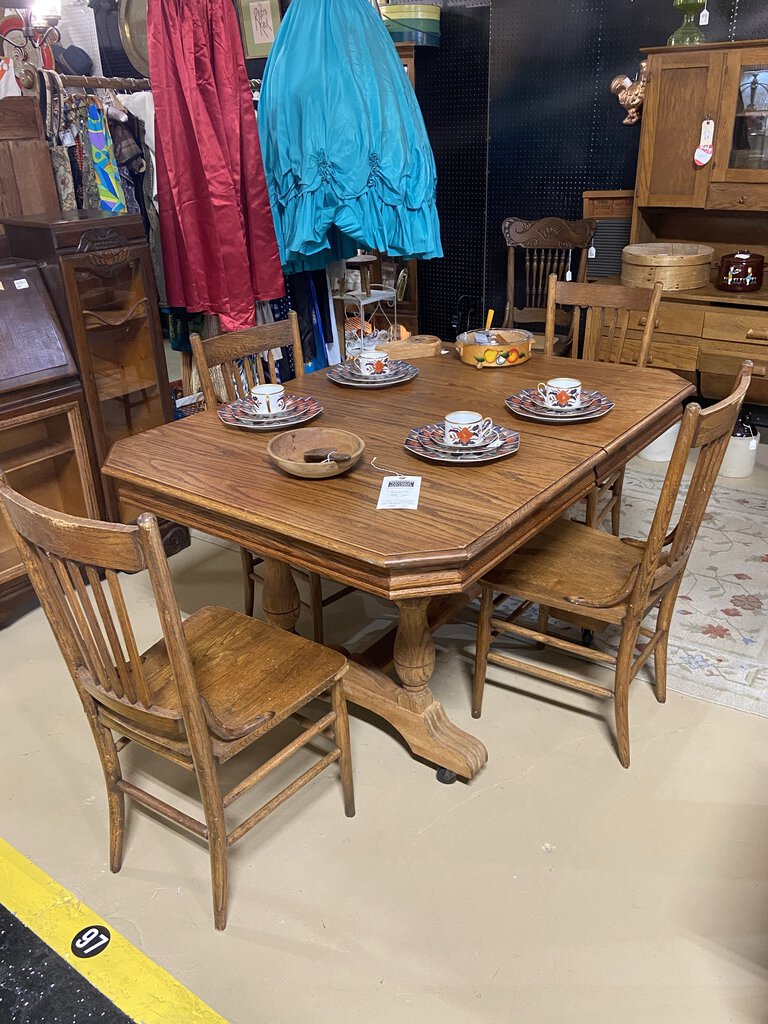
x,y
502,347
287,451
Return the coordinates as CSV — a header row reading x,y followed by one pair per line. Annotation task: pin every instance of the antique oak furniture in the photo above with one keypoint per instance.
x,y
426,560
601,579
607,309
536,249
213,685
235,363
44,446
723,204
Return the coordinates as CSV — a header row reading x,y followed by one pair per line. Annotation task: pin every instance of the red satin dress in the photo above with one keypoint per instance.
x,y
218,237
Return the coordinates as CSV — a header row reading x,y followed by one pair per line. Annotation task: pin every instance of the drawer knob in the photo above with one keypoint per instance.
x,y
758,334
742,200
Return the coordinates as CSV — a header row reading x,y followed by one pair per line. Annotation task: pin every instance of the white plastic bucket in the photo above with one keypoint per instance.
x,y
740,456
661,449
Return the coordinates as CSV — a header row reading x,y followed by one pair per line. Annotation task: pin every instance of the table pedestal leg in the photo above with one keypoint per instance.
x,y
280,597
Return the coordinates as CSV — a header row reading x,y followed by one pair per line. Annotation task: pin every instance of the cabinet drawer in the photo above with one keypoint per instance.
x,y
668,351
730,196
749,325
673,318
719,364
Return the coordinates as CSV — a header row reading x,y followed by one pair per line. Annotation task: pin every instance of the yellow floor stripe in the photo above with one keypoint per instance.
x,y
141,989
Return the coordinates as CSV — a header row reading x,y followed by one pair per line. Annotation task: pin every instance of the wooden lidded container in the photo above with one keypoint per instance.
x,y
680,266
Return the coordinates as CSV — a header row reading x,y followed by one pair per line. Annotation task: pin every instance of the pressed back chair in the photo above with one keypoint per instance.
x,y
236,362
596,579
213,685
536,249
607,310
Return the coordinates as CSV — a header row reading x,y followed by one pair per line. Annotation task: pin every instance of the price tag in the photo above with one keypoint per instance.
x,y
592,252
67,138
399,492
704,17
705,148
21,283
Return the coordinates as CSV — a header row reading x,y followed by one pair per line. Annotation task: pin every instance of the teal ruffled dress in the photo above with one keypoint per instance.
x,y
346,154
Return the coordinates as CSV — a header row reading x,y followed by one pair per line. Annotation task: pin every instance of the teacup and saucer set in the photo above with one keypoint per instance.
x,y
463,438
372,368
268,407
559,400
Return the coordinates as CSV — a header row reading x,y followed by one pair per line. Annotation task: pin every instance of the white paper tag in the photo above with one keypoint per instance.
x,y
592,252
705,148
704,17
21,283
399,492
67,138
753,444
568,275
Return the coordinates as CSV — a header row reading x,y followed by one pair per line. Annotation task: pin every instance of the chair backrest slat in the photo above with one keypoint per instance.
x,y
609,307
124,682
139,695
240,357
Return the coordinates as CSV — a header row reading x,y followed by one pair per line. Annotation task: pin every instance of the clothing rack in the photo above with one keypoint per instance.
x,y
95,82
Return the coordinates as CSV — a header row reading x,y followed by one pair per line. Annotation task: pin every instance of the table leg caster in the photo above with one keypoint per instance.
x,y
446,776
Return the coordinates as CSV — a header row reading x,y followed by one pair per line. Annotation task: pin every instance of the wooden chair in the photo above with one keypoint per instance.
x,y
595,578
236,361
211,687
609,308
537,249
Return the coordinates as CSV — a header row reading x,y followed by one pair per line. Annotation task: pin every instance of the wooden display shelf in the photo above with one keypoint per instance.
x,y
30,454
113,380
108,319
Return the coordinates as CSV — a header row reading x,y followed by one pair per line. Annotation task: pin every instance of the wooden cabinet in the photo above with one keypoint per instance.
x,y
98,269
44,446
706,333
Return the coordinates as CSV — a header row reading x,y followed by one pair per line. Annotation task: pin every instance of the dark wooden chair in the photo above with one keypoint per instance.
x,y
235,364
607,313
213,685
537,249
594,578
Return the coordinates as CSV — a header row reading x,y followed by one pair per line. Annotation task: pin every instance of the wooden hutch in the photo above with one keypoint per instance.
x,y
706,333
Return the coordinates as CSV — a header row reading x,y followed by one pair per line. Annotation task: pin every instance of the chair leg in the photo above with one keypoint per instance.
x,y
341,729
543,621
482,645
663,622
316,607
110,765
213,807
249,586
616,491
591,516
621,689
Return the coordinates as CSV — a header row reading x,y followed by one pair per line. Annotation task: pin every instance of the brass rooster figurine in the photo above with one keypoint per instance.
x,y
631,94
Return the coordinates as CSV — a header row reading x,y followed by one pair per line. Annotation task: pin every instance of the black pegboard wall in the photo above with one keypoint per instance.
x,y
554,129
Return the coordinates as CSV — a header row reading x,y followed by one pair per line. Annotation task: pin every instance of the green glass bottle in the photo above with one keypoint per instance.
x,y
689,33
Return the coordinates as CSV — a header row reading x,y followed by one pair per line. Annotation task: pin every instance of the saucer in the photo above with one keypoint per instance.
x,y
523,405
245,408
339,375
420,442
435,434
304,410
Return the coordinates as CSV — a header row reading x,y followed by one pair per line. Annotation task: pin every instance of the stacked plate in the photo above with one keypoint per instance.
x,y
530,405
430,443
348,374
242,413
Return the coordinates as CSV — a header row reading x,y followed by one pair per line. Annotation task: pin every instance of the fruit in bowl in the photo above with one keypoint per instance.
x,y
503,347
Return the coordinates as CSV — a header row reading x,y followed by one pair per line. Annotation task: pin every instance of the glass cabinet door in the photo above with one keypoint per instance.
x,y
742,150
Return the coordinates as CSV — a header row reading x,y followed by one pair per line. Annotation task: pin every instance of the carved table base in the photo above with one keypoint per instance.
x,y
410,708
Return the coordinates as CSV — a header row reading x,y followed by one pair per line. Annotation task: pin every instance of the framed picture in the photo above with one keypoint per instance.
x,y
259,20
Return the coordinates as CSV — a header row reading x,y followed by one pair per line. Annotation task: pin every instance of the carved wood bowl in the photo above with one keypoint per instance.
x,y
503,347
287,451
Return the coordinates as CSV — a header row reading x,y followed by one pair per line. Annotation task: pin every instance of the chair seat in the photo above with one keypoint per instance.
x,y
565,560
248,672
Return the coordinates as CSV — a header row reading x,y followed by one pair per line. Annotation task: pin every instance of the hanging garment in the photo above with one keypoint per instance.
x,y
346,153
111,194
219,247
142,106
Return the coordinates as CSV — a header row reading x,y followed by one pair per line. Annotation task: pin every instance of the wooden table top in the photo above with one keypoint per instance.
x,y
221,480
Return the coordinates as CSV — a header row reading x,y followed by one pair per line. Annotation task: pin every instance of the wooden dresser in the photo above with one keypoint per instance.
x,y
707,333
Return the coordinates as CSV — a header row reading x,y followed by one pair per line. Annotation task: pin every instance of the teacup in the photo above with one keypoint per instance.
x,y
268,398
373,363
561,393
465,429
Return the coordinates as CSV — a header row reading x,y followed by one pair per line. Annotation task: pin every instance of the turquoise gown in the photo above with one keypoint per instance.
x,y
346,154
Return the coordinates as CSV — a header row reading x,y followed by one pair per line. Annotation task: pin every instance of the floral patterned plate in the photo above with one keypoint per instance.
x,y
435,434
396,368
245,409
421,441
304,410
400,374
524,405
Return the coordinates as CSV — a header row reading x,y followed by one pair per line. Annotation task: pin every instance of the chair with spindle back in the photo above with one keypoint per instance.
x,y
595,579
237,362
607,310
213,685
535,250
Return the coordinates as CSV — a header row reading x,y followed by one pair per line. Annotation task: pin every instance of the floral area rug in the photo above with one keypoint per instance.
x,y
718,645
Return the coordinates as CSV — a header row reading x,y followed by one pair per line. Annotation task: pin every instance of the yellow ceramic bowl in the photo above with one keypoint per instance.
x,y
504,347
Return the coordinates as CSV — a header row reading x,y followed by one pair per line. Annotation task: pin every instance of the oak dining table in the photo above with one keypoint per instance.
x,y
220,480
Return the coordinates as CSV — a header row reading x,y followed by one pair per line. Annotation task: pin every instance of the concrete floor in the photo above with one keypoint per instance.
x,y
554,887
